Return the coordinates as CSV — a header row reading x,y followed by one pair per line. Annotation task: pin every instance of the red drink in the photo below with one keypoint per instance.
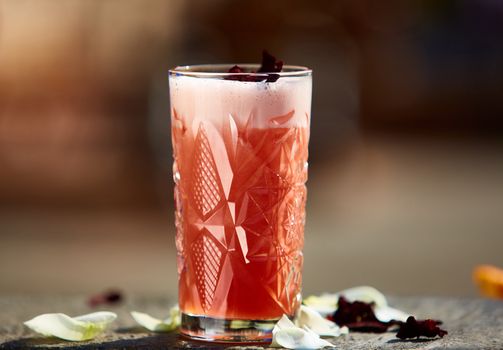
x,y
240,168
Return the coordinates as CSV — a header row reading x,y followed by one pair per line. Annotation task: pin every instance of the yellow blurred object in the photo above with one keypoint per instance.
x,y
490,280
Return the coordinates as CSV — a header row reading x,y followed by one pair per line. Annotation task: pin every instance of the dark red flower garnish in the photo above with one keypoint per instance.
x,y
416,328
242,77
236,69
369,326
108,297
359,316
269,66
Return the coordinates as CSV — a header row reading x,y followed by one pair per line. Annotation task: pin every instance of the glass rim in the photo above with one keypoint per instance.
x,y
221,70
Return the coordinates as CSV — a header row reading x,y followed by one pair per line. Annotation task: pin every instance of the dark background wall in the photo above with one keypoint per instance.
x,y
406,162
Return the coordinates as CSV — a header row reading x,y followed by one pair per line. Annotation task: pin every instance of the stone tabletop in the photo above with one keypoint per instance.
x,y
472,324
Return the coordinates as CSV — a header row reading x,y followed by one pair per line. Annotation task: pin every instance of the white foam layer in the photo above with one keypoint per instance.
x,y
255,104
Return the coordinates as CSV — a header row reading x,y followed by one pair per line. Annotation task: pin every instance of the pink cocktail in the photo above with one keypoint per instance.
x,y
240,167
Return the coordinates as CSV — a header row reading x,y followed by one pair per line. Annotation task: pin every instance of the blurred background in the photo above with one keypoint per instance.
x,y
406,152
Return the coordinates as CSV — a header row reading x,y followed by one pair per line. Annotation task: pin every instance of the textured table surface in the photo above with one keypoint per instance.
x,y
472,324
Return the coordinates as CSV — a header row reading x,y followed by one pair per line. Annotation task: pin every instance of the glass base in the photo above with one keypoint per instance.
x,y
225,330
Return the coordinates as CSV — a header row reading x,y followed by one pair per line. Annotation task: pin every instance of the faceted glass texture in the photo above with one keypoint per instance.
x,y
240,210
240,166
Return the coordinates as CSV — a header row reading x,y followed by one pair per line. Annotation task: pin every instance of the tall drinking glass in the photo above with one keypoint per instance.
x,y
240,166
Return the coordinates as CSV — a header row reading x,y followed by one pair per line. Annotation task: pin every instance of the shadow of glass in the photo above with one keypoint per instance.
x,y
152,341
133,330
415,340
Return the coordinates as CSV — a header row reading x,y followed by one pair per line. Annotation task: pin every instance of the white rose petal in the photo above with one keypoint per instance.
x,y
312,319
366,294
387,313
326,304
156,325
78,328
315,341
286,334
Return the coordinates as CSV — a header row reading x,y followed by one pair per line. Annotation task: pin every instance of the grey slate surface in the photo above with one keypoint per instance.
x,y
472,324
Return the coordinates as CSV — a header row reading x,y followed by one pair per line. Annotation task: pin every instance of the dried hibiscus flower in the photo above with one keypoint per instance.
x,y
360,317
269,66
416,328
235,69
108,297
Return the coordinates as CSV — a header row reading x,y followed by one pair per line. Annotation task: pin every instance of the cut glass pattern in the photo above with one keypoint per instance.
x,y
241,252
206,259
206,187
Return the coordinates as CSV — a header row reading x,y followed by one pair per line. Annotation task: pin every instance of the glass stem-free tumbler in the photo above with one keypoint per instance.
x,y
240,147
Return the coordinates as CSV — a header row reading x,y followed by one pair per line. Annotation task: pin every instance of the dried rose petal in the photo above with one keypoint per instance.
x,y
108,297
416,328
